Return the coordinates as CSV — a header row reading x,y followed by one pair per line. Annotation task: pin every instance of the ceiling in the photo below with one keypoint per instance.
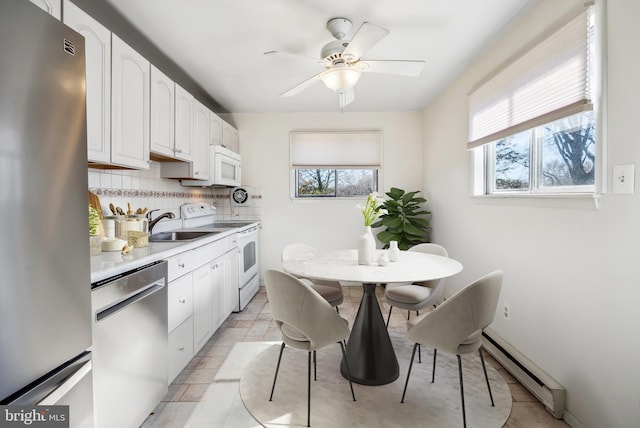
x,y
221,45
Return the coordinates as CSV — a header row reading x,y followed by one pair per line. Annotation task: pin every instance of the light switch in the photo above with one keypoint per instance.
x,y
623,178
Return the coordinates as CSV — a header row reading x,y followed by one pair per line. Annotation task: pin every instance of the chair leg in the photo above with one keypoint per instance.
x,y
389,316
337,310
315,377
309,389
413,354
408,315
433,371
484,368
464,415
346,363
419,354
277,368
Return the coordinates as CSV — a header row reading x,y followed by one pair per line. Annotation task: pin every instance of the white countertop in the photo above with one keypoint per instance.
x,y
112,263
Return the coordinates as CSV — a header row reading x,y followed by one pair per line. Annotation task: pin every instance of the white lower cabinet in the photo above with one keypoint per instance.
x,y
202,294
180,348
202,306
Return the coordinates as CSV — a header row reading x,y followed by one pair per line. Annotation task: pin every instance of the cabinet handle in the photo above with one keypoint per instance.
x,y
179,150
181,348
196,173
181,265
182,301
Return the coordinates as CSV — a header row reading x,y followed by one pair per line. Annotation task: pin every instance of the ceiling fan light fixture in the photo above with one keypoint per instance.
x,y
341,79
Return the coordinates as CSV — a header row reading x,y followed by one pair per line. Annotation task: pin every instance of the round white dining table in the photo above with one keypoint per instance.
x,y
369,352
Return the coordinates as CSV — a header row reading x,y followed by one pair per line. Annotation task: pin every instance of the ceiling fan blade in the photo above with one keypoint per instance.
x,y
403,68
346,97
365,38
302,86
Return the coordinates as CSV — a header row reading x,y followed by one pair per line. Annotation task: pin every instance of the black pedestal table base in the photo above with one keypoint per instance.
x,y
372,360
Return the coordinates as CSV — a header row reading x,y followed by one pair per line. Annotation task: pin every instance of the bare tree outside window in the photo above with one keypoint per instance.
x,y
335,182
563,152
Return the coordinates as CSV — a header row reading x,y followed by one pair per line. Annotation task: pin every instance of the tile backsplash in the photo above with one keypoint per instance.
x,y
148,189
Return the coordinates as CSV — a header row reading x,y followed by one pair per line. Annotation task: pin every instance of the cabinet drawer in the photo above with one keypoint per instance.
x,y
180,348
180,300
179,265
232,241
208,252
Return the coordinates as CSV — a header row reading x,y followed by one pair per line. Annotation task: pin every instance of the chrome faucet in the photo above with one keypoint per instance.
x,y
153,222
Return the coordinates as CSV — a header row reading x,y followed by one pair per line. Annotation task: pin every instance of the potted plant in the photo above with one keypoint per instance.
x,y
95,239
405,219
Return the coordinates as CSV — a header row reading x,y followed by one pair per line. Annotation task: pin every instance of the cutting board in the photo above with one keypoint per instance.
x,y
94,201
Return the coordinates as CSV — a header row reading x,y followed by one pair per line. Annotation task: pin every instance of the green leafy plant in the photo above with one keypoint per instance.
x,y
94,221
405,220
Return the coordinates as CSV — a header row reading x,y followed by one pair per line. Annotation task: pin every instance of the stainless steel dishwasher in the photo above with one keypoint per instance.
x,y
129,345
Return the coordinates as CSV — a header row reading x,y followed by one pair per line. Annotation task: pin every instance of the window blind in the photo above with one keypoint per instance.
x,y
347,149
548,82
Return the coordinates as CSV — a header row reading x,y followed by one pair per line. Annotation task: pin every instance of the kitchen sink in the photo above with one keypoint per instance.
x,y
178,236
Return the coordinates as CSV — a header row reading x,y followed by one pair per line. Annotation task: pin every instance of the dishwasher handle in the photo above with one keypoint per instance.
x,y
120,305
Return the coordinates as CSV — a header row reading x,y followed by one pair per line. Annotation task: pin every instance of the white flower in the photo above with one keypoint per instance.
x,y
371,208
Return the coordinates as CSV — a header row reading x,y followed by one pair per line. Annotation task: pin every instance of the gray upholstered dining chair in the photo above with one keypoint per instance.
x,y
456,326
419,295
306,321
330,290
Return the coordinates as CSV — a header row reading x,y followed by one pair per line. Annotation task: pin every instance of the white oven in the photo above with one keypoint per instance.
x,y
248,264
224,169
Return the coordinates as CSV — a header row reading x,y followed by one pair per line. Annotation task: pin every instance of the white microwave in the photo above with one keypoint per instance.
x,y
224,169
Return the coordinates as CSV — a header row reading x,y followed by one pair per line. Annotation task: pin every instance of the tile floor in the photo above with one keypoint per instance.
x,y
200,381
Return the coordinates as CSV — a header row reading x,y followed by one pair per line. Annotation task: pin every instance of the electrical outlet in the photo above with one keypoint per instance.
x,y
506,312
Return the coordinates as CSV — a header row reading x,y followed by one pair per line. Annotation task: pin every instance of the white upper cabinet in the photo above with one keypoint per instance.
x,y
200,141
215,129
185,105
98,76
230,138
162,114
130,86
52,7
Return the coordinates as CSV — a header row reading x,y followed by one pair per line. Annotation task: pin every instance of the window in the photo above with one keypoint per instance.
x,y
533,122
335,164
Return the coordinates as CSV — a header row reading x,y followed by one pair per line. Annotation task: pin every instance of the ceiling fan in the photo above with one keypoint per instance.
x,y
343,63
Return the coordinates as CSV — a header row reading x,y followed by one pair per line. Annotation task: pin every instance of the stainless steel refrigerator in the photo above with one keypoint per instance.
x,y
45,302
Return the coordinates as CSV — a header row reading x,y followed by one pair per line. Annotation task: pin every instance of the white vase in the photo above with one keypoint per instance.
x,y
366,247
394,251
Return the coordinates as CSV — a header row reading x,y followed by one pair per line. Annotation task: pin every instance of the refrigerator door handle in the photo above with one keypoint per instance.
x,y
66,386
43,387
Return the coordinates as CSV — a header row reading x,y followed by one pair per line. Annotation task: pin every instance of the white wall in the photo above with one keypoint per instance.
x,y
264,146
571,270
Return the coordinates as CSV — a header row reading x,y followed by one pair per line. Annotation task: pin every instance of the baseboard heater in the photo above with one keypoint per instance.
x,y
548,391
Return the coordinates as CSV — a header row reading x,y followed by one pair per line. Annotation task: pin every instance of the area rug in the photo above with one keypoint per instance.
x,y
426,404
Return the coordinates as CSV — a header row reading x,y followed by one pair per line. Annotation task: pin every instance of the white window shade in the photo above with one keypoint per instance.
x,y
548,82
320,149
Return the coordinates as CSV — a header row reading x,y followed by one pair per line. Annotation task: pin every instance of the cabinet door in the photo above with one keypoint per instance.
x,y
52,7
97,39
180,348
130,85
162,114
219,296
230,137
180,301
215,129
232,281
200,141
184,124
202,306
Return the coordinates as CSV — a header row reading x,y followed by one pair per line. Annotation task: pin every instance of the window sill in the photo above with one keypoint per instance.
x,y
543,200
